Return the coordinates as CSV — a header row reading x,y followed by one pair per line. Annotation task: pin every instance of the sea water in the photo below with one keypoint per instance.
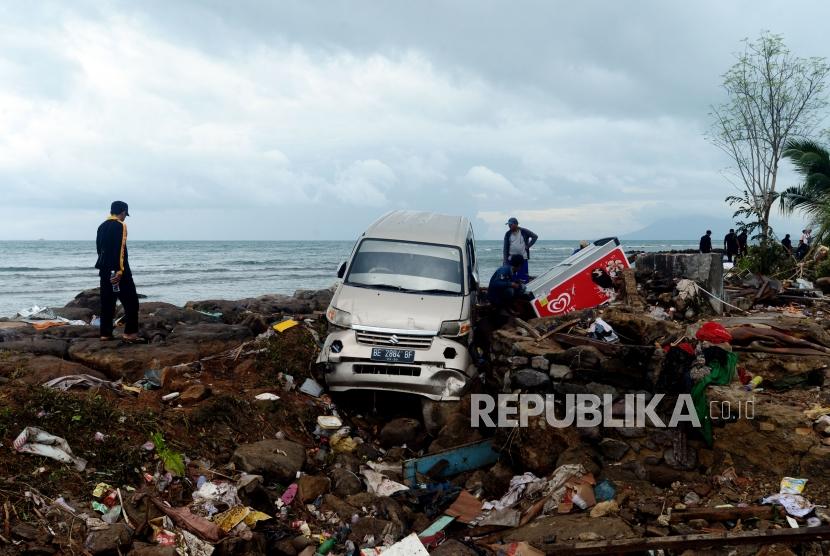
x,y
51,273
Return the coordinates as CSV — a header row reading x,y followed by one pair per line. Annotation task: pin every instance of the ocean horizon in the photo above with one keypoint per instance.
x,y
50,273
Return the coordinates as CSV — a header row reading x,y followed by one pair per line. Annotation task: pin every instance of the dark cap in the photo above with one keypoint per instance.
x,y
118,207
516,260
512,220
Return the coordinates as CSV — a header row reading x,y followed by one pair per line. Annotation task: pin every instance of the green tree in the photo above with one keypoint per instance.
x,y
772,97
812,196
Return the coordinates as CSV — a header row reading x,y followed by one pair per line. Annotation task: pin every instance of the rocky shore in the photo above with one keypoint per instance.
x,y
210,438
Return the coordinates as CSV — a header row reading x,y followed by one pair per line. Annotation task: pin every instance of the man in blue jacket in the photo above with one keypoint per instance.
x,y
518,241
116,278
504,285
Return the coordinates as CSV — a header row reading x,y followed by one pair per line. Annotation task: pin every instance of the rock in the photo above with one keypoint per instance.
x,y
312,486
540,363
373,526
497,480
44,368
580,358
399,431
453,547
457,431
530,379
345,483
277,459
613,449
582,455
285,547
436,414
823,284
640,327
194,394
560,372
111,540
569,527
75,313
87,299
26,532
144,549
698,523
816,461
39,346
518,360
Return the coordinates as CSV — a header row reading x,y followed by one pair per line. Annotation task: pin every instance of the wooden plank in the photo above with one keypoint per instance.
x,y
723,514
526,326
683,542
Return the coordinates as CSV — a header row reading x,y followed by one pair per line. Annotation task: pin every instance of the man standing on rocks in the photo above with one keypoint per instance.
x,y
116,277
518,241
730,245
706,242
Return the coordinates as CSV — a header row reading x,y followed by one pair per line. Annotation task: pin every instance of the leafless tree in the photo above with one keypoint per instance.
x,y
773,96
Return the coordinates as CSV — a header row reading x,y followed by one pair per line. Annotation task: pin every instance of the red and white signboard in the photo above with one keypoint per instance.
x,y
581,281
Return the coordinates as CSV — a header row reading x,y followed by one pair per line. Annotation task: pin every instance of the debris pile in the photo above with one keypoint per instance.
x,y
218,435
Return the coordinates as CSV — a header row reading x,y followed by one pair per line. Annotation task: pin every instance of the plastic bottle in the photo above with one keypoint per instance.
x,y
115,287
326,547
753,384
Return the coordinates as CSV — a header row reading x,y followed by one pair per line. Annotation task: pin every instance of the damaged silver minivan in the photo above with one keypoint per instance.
x,y
401,319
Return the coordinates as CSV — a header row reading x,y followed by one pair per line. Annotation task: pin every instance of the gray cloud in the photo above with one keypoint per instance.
x,y
313,118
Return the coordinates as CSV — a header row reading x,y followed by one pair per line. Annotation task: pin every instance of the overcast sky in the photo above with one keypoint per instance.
x,y
307,120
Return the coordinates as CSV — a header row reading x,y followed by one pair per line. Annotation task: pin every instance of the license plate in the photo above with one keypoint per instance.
x,y
393,355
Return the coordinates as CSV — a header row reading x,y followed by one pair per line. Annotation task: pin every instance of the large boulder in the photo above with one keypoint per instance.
x,y
111,540
44,368
277,459
398,432
37,345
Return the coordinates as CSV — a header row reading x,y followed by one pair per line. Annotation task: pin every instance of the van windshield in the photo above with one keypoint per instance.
x,y
407,266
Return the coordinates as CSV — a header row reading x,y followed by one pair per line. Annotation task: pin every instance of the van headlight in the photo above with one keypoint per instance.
x,y
338,317
453,328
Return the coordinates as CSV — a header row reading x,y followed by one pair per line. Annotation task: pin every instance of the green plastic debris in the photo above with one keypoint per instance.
x,y
173,461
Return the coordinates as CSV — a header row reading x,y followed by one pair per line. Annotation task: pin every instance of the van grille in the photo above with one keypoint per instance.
x,y
386,339
397,370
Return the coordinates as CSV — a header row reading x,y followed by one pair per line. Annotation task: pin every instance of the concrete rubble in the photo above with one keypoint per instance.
x,y
219,468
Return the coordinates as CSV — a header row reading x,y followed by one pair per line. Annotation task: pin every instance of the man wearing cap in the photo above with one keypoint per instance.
x,y
116,277
518,241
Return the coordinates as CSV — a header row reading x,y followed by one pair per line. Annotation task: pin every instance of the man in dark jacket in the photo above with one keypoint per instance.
x,y
706,242
114,271
518,241
730,245
504,286
743,243
787,243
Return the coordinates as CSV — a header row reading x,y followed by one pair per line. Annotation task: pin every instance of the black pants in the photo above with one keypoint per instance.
x,y
129,300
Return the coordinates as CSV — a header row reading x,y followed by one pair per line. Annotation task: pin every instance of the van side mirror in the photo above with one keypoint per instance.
x,y
342,270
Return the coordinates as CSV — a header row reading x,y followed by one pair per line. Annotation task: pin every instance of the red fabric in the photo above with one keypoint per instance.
x,y
713,332
685,346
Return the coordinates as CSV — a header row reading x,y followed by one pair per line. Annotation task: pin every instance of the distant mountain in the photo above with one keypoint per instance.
x,y
689,227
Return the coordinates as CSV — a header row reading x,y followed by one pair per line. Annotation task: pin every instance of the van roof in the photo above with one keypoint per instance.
x,y
428,227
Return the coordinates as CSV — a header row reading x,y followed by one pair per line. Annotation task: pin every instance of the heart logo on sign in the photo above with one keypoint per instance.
x,y
560,304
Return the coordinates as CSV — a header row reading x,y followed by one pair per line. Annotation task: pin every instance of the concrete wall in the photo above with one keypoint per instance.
x,y
705,269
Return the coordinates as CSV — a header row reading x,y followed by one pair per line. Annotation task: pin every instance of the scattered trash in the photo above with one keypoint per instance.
x,y
285,325
605,490
466,457
409,546
40,443
601,330
329,422
151,380
381,485
64,383
267,396
515,549
171,396
99,437
289,494
714,333
791,485
795,504
210,495
311,387
213,315
602,509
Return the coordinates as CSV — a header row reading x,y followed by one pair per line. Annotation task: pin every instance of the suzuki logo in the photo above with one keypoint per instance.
x,y
393,340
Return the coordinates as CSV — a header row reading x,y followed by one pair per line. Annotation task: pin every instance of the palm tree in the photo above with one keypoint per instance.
x,y
812,195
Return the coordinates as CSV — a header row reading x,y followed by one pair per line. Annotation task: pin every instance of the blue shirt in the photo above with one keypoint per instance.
x,y
501,280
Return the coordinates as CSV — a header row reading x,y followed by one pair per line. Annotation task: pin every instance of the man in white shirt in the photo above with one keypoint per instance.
x,y
518,241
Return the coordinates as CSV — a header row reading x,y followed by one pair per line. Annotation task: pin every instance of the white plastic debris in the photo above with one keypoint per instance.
x,y
171,396
311,387
39,442
380,485
266,397
211,494
795,504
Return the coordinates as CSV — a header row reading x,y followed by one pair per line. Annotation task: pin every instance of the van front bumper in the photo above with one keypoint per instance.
x,y
432,374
